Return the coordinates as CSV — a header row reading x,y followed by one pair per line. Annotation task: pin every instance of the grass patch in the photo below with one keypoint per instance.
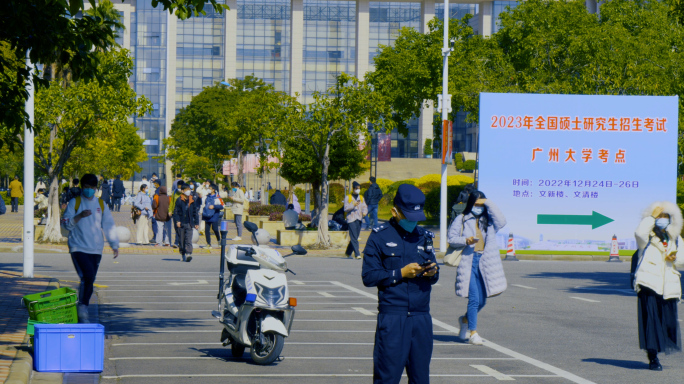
x,y
622,252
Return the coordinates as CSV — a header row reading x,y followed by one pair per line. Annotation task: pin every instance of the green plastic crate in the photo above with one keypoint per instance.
x,y
30,330
56,306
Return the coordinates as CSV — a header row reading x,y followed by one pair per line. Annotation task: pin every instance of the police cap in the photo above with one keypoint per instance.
x,y
410,200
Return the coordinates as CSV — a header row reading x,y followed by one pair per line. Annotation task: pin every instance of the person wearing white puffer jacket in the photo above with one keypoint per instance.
x,y
657,281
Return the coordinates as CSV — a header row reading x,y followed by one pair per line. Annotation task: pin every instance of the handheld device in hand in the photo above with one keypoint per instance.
x,y
426,263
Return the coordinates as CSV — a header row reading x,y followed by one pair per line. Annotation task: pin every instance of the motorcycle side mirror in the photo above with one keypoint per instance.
x,y
251,226
298,250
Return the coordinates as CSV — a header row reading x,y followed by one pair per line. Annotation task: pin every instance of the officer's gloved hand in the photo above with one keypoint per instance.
x,y
411,270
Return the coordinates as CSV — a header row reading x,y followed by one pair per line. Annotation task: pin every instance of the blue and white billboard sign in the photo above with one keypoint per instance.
x,y
571,171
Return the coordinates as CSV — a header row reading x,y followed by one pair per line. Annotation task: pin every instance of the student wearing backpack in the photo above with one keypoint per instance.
x,y
185,218
162,216
355,208
657,281
86,217
211,214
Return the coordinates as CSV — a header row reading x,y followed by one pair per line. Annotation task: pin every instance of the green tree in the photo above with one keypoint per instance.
x,y
543,46
300,165
223,118
47,29
344,110
115,151
69,118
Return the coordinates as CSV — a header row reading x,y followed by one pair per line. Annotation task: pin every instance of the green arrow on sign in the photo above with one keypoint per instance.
x,y
595,219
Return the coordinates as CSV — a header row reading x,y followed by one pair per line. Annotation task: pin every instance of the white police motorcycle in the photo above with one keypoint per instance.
x,y
254,305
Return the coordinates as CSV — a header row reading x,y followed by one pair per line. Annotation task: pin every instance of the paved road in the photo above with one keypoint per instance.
x,y
558,322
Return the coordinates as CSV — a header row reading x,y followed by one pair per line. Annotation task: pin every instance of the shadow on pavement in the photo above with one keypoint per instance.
x,y
602,283
118,320
225,354
447,338
628,364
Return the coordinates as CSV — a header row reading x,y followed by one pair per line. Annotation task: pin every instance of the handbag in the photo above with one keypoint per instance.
x,y
452,258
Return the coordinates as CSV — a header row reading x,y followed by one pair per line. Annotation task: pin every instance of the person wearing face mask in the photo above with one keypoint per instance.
x,y
657,281
480,274
400,260
355,209
143,202
211,214
186,217
238,207
86,217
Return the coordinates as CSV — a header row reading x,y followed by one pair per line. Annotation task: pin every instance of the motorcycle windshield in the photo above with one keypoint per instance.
x,y
271,259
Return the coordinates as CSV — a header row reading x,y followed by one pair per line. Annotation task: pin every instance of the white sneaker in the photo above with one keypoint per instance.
x,y
207,247
463,334
475,339
82,311
237,238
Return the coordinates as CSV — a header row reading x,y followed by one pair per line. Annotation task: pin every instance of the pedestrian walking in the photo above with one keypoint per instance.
x,y
143,203
106,193
372,196
186,218
86,217
238,207
145,182
118,192
203,190
480,273
355,209
211,214
657,281
172,206
177,182
74,191
399,259
154,192
250,194
16,191
162,217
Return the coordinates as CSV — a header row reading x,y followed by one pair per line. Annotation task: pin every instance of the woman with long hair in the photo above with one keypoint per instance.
x,y
480,273
143,202
657,281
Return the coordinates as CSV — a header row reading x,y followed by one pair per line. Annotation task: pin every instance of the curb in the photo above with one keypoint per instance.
x,y
21,369
440,255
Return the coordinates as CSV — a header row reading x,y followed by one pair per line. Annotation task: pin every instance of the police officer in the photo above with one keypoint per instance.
x,y
400,261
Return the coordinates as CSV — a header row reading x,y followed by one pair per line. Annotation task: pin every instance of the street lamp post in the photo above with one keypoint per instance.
x,y
445,104
28,175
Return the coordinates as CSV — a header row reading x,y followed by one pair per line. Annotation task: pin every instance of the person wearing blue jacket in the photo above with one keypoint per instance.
x,y
400,260
211,214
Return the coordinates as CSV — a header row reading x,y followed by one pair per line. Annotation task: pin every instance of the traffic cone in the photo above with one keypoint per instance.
x,y
510,253
614,251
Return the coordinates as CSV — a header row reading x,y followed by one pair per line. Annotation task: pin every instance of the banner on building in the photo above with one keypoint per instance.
x,y
571,171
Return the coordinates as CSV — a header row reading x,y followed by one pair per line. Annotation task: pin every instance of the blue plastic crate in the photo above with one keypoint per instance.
x,y
69,347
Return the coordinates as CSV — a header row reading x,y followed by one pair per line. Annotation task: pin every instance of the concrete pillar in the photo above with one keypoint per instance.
x,y
425,129
296,47
230,41
362,34
170,107
427,13
484,18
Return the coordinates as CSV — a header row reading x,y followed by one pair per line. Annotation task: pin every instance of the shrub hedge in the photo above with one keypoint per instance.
x,y
264,210
432,199
8,200
278,216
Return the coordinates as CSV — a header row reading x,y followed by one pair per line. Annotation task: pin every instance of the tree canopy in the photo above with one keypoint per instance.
x,y
229,117
49,30
542,46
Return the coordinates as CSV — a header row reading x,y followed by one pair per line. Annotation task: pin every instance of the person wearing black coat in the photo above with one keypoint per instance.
x,y
372,197
118,191
278,199
185,215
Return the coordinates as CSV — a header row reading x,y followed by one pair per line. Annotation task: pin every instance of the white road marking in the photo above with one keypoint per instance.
x,y
315,358
161,290
494,346
437,344
123,332
522,286
583,299
325,294
196,375
628,291
492,372
364,311
297,282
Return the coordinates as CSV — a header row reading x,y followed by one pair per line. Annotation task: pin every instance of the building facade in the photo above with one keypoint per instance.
x,y
299,46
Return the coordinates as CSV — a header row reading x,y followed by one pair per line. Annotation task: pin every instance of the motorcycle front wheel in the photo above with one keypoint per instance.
x,y
270,351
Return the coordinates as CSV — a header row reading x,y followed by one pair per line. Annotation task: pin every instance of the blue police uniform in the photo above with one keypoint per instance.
x,y
403,336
